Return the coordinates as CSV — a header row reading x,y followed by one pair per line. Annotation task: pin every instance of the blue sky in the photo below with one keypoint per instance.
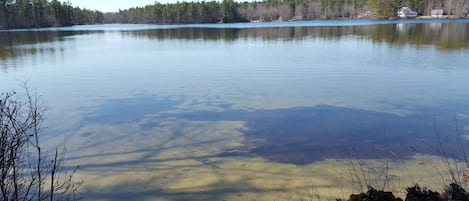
x,y
113,5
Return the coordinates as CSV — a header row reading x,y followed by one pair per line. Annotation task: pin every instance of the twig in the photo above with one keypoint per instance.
x,y
458,133
406,167
386,171
443,152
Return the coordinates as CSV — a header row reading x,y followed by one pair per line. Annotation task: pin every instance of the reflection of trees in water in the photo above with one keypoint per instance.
x,y
9,42
446,36
16,44
187,34
231,34
10,39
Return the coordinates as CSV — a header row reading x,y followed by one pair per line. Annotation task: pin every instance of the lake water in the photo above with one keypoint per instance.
x,y
248,111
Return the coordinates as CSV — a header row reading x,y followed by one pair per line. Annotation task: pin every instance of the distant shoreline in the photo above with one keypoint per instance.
x,y
449,17
443,17
419,18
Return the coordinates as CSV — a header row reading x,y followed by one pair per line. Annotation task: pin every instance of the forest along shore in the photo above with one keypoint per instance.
x,y
44,13
281,10
53,13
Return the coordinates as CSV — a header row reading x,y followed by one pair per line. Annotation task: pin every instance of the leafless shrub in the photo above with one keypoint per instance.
x,y
27,171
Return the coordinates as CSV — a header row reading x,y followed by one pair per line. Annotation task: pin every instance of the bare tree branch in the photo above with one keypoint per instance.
x,y
24,172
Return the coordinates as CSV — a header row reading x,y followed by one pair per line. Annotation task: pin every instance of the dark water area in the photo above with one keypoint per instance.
x,y
302,135
308,134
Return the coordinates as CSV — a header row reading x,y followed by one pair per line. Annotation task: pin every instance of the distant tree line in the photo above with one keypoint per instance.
x,y
281,10
388,8
180,12
44,13
47,13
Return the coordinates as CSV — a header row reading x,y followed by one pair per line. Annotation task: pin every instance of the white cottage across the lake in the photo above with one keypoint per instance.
x,y
437,13
406,12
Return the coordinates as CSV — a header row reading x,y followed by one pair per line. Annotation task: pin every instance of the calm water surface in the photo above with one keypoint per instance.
x,y
175,109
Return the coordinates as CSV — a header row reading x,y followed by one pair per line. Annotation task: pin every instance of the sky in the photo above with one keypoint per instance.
x,y
113,5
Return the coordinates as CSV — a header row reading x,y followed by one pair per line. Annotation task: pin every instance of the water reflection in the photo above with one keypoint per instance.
x,y
444,36
113,111
17,44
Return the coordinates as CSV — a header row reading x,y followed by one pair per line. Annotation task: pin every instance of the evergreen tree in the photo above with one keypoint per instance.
x,y
230,14
382,9
44,13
